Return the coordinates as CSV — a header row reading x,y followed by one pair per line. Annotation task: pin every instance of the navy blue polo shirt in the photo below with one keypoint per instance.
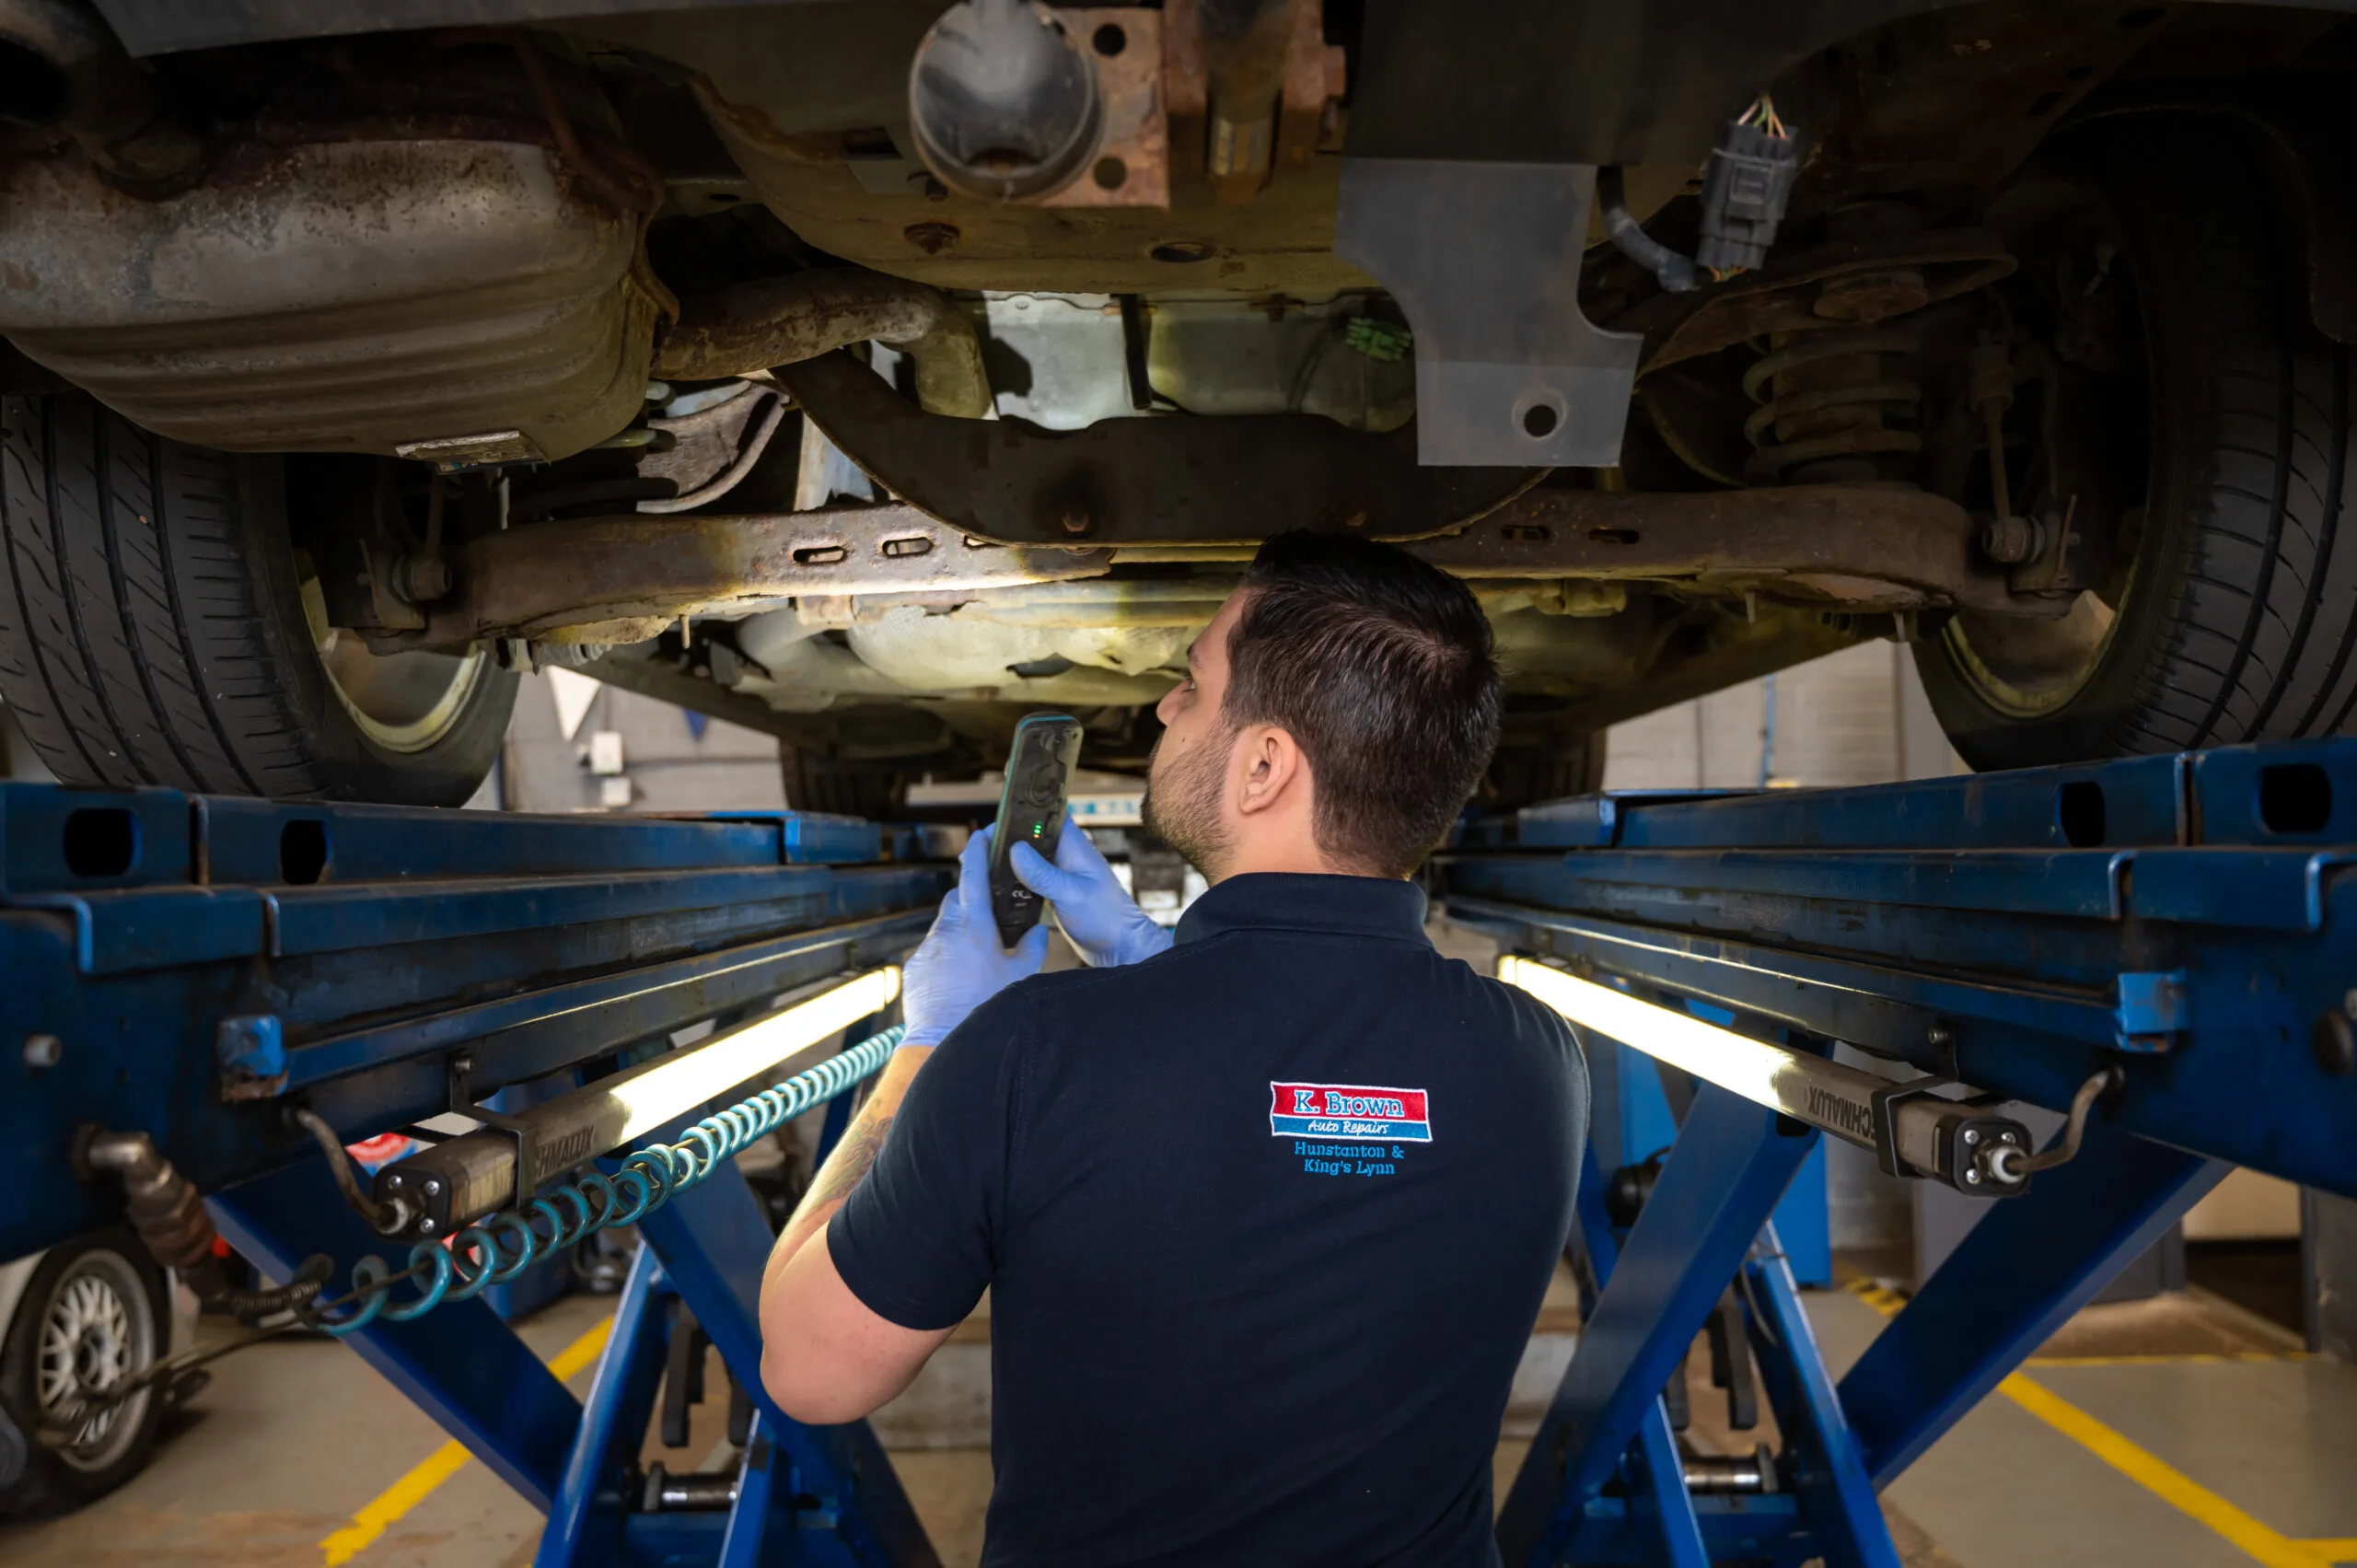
x,y
1266,1221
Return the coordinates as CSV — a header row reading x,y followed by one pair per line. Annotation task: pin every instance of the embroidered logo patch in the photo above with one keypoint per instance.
x,y
1349,1110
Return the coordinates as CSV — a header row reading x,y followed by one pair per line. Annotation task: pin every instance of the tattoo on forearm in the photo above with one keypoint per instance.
x,y
853,1158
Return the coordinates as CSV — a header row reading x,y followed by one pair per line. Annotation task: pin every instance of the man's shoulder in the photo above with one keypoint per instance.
x,y
1530,1017
1521,1001
1036,1002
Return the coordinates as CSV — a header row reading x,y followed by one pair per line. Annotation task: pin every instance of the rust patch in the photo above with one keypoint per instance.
x,y
1132,164
931,239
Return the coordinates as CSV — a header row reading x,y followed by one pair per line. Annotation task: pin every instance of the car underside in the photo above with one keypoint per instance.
x,y
874,374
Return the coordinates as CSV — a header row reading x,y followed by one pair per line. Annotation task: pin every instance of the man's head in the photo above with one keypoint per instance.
x,y
1338,711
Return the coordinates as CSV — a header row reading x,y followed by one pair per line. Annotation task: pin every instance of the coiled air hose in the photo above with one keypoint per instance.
x,y
170,1218
505,1245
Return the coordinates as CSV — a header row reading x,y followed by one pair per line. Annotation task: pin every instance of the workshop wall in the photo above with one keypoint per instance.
x,y
578,745
1856,717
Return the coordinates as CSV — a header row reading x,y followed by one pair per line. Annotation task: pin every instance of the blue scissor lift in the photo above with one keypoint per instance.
x,y
2166,945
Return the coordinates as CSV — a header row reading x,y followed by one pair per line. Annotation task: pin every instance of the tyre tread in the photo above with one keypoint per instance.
x,y
2255,635
150,632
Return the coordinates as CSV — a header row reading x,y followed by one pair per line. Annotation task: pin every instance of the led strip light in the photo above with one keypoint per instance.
x,y
672,1085
1912,1133
480,1173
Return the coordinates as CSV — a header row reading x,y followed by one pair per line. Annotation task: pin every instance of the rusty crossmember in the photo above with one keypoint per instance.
x,y
620,579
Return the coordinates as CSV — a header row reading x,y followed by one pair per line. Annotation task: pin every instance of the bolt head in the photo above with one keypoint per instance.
x,y
395,1178
425,1225
1972,1136
44,1050
931,239
432,1186
1941,1034
1972,1177
2009,540
425,578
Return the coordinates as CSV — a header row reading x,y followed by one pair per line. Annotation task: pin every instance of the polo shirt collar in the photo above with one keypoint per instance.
x,y
1290,901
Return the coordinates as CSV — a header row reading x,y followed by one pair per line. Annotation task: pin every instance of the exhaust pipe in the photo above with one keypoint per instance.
x,y
62,68
772,322
1243,55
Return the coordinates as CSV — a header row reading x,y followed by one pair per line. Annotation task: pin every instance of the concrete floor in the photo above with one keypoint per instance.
x,y
2225,1448
2171,1434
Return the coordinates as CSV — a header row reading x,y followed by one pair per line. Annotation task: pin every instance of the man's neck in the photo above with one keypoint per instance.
x,y
1287,854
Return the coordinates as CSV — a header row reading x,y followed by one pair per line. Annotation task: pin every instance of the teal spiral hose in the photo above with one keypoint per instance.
x,y
503,1247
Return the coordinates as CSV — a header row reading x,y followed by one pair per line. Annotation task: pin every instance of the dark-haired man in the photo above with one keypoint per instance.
x,y
1266,1213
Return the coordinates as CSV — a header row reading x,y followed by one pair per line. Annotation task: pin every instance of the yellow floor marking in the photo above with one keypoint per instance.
x,y
582,1350
2140,1465
385,1508
2171,1486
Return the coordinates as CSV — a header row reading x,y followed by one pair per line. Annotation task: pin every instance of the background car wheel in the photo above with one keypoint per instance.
x,y
1524,774
93,1314
156,629
846,787
2169,303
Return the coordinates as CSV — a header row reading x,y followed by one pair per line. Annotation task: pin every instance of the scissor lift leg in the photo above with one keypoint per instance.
x,y
586,1525
1836,1498
714,1243
1724,1177
462,1366
1660,1509
2018,1276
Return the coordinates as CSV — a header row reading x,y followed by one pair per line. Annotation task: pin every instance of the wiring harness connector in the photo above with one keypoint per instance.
x,y
1745,183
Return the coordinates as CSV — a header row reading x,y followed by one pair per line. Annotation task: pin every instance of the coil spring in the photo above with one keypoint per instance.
x,y
503,1247
1824,397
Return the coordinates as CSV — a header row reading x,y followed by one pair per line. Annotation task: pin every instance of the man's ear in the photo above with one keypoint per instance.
x,y
1269,767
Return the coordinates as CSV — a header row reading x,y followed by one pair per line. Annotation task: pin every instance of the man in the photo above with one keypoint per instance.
x,y
1266,1214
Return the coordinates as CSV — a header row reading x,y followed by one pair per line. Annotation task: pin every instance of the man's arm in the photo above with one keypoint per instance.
x,y
825,1357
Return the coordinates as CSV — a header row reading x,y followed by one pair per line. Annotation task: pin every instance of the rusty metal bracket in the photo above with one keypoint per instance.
x,y
1784,295
1131,167
1851,545
1127,481
632,575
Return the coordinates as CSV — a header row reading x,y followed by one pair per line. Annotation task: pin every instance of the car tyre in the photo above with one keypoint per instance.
x,y
94,1311
153,629
2232,612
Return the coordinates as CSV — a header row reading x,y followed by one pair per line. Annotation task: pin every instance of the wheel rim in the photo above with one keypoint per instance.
x,y
402,702
2071,426
97,1328
2028,670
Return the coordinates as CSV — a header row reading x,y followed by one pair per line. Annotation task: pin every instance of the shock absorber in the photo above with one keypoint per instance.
x,y
1837,402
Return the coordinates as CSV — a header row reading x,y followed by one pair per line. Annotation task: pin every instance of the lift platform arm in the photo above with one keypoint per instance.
x,y
2164,950
204,992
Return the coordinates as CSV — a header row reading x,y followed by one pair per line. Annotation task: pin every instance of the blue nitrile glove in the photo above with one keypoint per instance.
x,y
959,965
1102,922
